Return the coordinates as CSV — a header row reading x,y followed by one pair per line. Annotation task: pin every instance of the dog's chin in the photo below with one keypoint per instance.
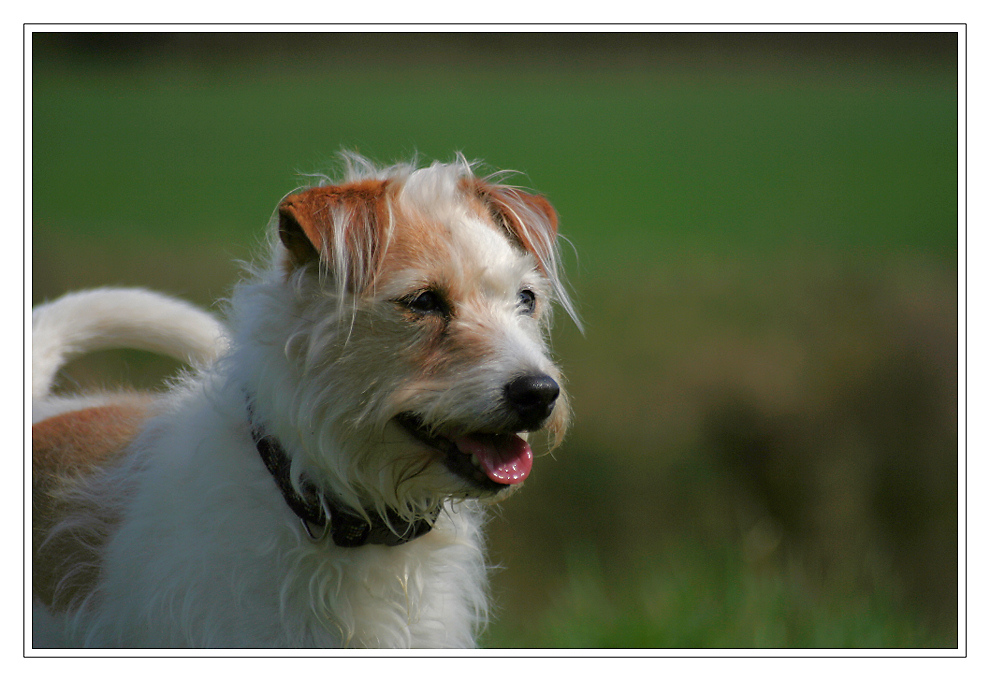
x,y
483,465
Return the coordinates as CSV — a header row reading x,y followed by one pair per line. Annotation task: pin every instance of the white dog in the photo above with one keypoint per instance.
x,y
319,478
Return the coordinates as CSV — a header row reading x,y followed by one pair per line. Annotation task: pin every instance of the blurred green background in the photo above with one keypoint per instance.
x,y
764,232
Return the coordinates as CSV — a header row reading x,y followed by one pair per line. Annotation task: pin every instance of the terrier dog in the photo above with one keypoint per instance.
x,y
319,478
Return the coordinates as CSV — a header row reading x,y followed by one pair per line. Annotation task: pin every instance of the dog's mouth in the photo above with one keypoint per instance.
x,y
492,461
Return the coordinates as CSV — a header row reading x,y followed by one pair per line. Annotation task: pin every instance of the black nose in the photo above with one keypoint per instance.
x,y
532,397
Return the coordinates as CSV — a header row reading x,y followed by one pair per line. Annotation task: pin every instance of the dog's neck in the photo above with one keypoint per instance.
x,y
320,514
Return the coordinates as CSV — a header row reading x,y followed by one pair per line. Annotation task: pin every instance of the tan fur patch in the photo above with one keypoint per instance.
x,y
357,211
506,206
65,450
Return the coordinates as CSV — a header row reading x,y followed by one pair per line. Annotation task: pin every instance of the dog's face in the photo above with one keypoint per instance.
x,y
430,302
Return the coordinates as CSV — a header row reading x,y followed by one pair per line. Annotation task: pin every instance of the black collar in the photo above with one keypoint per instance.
x,y
314,508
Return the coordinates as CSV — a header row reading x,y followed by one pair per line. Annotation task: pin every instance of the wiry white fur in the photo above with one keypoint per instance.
x,y
207,553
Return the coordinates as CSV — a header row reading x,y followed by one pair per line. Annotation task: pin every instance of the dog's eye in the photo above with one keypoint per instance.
x,y
426,303
527,301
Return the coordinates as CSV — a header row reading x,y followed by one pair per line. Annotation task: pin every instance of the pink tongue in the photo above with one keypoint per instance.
x,y
506,459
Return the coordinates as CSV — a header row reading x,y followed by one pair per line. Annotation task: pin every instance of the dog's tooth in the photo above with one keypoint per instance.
x,y
474,460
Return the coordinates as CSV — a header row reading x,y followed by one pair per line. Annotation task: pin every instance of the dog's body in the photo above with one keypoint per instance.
x,y
319,478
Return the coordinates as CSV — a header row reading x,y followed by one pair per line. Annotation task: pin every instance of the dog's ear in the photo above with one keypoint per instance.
x,y
527,219
338,224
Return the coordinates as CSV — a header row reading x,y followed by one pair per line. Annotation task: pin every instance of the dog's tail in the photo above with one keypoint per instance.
x,y
114,318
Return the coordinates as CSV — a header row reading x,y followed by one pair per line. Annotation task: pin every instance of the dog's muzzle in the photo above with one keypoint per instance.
x,y
494,459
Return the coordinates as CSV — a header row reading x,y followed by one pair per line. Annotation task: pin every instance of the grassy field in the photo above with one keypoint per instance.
x,y
764,256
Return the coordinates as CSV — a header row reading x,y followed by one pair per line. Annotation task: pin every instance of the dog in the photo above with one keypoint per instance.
x,y
320,475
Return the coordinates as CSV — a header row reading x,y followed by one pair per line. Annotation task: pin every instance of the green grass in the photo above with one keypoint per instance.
x,y
637,161
712,600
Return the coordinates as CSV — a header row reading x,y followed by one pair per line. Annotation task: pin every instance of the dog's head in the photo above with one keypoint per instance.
x,y
422,304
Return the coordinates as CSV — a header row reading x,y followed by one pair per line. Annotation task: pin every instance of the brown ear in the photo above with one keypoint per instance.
x,y
528,219
338,223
